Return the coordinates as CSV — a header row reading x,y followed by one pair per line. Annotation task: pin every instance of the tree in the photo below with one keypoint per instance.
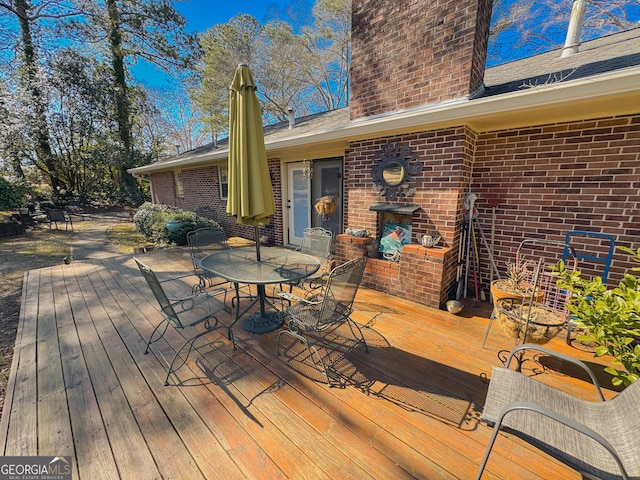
x,y
329,45
521,28
80,122
300,67
28,15
178,126
224,46
135,29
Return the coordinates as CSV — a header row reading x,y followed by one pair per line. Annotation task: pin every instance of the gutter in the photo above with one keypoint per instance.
x,y
482,114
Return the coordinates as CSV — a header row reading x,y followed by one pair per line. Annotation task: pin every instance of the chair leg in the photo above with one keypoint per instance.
x,y
486,334
313,353
164,322
189,343
483,464
361,339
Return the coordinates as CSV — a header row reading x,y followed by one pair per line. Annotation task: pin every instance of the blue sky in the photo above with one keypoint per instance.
x,y
203,14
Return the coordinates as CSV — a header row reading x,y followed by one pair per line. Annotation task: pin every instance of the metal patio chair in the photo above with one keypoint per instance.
x,y
598,439
202,242
206,241
316,241
55,216
184,314
326,311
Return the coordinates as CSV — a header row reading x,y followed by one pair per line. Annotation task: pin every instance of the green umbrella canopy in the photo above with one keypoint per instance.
x,y
250,199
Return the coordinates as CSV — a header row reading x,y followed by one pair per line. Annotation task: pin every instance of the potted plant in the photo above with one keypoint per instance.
x,y
611,317
520,310
517,284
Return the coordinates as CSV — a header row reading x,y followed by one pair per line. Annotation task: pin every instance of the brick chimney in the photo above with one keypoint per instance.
x,y
409,53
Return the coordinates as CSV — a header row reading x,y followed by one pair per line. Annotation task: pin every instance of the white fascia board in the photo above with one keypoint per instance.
x,y
482,114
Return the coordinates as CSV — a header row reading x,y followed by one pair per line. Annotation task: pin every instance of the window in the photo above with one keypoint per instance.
x,y
179,185
223,173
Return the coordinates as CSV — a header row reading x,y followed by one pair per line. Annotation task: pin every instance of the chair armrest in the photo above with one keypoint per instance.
x,y
295,298
568,422
210,293
561,356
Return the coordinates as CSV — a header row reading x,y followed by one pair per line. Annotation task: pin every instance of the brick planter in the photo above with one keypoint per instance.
x,y
418,276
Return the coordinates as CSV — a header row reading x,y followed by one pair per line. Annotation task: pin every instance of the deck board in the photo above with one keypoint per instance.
x,y
81,385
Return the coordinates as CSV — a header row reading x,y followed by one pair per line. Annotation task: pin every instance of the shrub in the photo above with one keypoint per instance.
x,y
13,194
611,317
151,220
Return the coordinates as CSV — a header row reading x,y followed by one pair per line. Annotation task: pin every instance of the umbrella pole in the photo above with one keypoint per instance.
x,y
261,289
257,243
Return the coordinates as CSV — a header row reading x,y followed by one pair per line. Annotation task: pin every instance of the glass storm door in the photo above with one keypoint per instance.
x,y
298,202
327,180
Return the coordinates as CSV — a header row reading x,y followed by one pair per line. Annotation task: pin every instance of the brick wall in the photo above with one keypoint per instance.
x,y
408,53
554,178
202,196
447,157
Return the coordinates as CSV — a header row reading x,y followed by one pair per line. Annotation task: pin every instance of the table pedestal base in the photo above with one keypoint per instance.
x,y
257,323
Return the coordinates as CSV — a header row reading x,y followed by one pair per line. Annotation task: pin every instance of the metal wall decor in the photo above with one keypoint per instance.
x,y
395,164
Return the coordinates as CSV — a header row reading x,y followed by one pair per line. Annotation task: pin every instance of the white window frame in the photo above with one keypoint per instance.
x,y
177,177
223,174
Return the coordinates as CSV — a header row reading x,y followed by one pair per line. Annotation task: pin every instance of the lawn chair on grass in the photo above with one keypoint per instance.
x,y
326,311
184,314
598,439
55,216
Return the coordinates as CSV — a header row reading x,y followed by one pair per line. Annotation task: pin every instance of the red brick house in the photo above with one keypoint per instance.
x,y
553,142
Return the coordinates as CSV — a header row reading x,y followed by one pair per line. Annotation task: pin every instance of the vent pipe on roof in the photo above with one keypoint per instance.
x,y
572,41
292,119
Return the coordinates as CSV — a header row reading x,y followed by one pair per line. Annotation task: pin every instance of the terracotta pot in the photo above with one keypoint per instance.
x,y
499,291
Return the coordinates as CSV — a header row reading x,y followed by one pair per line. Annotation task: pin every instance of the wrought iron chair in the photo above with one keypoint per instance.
x,y
326,311
202,242
206,241
598,439
316,241
549,297
55,216
184,314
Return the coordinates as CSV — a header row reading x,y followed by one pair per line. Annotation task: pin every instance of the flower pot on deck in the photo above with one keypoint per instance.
x,y
500,289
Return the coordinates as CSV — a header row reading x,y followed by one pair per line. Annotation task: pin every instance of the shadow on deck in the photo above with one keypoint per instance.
x,y
81,386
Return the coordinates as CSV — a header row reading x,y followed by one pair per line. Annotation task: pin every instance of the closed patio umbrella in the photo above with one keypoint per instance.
x,y
250,198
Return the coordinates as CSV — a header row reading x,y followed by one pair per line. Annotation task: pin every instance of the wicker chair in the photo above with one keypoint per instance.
x,y
598,439
325,312
183,314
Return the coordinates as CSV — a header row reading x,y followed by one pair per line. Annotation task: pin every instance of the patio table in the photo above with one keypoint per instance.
x,y
276,265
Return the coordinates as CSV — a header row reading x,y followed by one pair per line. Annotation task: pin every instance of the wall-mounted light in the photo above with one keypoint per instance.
x,y
307,169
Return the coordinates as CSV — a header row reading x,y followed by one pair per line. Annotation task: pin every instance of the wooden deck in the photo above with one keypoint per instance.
x,y
81,386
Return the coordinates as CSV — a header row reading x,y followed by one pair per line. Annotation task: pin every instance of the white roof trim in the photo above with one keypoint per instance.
x,y
458,112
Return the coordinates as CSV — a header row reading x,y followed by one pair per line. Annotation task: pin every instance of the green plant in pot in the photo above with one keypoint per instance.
x,y
611,317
